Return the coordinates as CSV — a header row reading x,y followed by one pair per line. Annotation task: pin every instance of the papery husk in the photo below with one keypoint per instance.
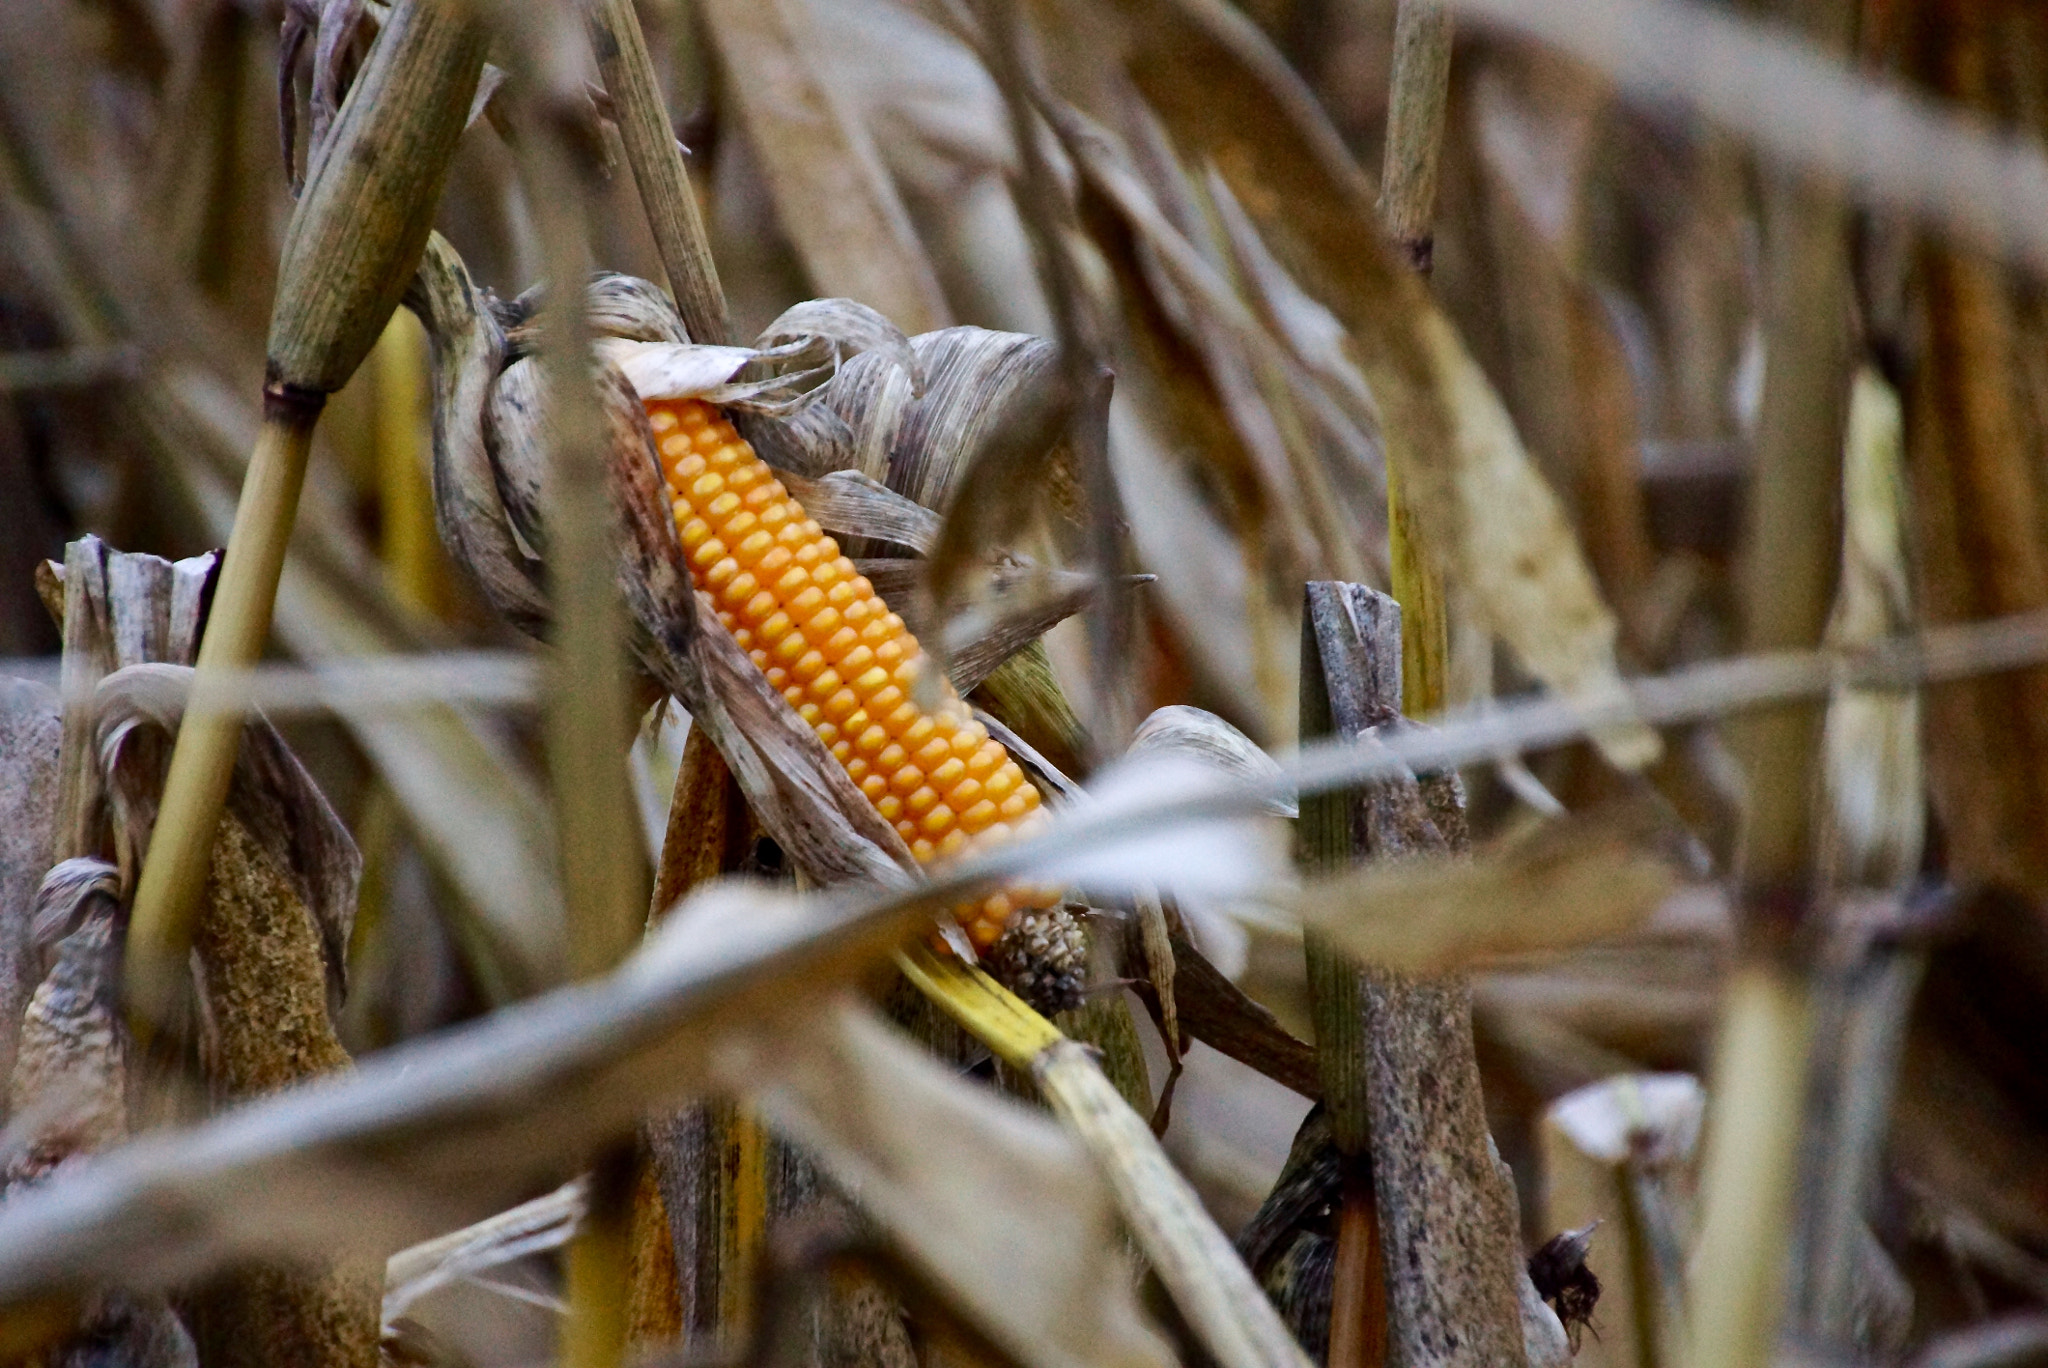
x,y
272,798
68,1097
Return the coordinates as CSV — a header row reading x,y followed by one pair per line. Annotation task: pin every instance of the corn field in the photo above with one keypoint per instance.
x,y
1023,683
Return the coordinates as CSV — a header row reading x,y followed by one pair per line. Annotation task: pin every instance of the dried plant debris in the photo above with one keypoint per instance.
x,y
30,733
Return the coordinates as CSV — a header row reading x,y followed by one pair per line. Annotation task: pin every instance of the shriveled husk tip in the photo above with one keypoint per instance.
x,y
370,199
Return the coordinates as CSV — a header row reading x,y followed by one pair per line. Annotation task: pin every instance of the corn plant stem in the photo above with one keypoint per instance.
x,y
1329,840
651,150
1407,207
1415,124
1209,1283
1759,1075
203,761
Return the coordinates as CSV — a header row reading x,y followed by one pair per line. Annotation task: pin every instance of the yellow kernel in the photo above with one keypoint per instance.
x,y
827,733
792,535
936,821
827,573
860,610
661,420
842,751
740,526
907,779
874,786
954,842
724,506
774,561
688,469
876,631
840,595
969,739
778,677
932,752
823,625
871,680
807,556
856,660
759,657
858,722
808,665
776,627
708,553
676,446
838,642
721,574
919,732
812,715
1014,806
986,760
922,850
826,684
1000,784
759,608
890,806
997,908
726,457
905,719
871,741
891,757
949,773
841,704
978,817
775,514
794,693
707,487
747,477
964,794
883,699
807,602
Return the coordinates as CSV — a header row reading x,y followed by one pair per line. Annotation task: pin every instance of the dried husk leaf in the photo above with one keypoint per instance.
x,y
68,1093
850,501
1206,738
136,711
30,735
1576,880
469,350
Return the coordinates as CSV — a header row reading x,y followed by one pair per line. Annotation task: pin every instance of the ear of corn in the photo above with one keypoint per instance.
x,y
822,635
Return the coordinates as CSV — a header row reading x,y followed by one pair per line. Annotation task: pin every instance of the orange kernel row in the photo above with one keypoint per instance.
x,y
816,628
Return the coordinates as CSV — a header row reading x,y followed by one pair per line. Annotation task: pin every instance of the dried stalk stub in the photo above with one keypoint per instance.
x,y
370,197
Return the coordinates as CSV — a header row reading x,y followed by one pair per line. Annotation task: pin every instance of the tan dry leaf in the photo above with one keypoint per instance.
x,y
945,1165
1229,100
833,195
1576,880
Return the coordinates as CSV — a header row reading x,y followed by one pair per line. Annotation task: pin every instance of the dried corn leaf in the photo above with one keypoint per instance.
x,y
834,198
1227,99
533,1227
1209,740
462,1121
1574,881
878,1113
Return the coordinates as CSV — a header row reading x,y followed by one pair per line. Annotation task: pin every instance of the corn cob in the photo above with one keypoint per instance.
x,y
815,626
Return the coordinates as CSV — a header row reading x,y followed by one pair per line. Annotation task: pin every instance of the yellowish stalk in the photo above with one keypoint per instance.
x,y
405,498
1757,1097
203,762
